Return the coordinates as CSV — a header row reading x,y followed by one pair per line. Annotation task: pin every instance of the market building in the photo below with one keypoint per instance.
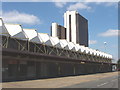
x,y
28,54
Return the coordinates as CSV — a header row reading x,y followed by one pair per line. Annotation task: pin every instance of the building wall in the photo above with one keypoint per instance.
x,y
66,25
82,30
21,64
76,28
58,31
19,69
73,26
54,29
62,34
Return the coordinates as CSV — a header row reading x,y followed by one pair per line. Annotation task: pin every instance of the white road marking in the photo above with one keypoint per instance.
x,y
106,83
102,84
114,80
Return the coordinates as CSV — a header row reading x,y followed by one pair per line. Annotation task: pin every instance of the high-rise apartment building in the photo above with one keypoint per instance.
x,y
76,28
58,31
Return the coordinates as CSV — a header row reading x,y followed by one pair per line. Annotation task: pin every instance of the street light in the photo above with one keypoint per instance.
x,y
105,43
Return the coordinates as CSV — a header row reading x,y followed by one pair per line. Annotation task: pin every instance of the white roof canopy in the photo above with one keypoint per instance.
x,y
46,39
87,50
56,42
91,51
98,53
82,48
77,47
3,29
15,30
71,46
33,35
111,57
64,44
94,52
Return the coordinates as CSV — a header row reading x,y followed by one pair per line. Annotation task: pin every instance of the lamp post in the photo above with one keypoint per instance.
x,y
105,43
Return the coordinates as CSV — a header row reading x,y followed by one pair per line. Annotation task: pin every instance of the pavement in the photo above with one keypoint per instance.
x,y
107,82
101,80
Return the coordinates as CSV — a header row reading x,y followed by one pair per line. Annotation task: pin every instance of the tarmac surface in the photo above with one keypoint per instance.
x,y
107,82
101,80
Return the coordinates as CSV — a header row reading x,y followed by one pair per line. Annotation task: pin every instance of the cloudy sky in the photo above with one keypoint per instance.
x,y
102,18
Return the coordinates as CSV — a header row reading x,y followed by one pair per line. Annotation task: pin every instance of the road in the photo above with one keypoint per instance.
x,y
108,82
100,80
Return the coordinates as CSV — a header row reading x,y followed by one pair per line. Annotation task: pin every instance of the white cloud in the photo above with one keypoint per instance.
x,y
42,0
60,4
60,0
79,5
21,18
24,0
110,33
101,0
92,41
111,4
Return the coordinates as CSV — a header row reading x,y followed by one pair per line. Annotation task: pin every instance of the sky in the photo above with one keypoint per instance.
x,y
102,19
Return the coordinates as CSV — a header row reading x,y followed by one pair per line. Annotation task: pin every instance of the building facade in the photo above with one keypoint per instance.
x,y
58,31
27,54
23,60
76,28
